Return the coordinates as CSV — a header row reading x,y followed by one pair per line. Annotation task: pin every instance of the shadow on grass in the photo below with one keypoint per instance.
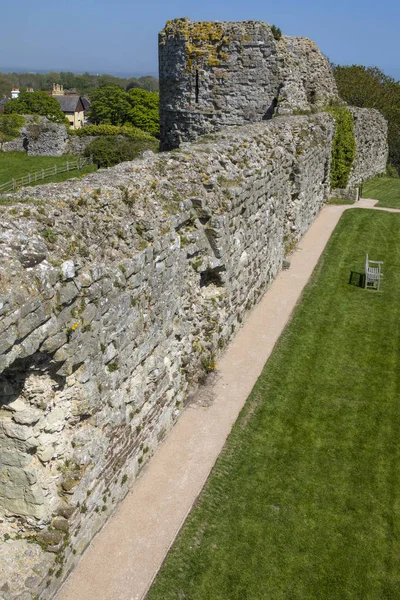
x,y
357,279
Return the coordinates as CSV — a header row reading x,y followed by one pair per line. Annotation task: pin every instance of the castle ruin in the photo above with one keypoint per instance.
x,y
118,290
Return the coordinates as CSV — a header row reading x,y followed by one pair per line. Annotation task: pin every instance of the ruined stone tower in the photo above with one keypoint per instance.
x,y
217,74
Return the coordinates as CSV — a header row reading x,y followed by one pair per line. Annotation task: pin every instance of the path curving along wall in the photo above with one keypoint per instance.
x,y
117,292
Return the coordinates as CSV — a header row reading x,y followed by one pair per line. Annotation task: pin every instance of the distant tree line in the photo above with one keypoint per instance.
x,y
369,87
83,84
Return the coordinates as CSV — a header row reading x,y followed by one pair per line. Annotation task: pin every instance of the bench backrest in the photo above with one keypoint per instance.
x,y
373,271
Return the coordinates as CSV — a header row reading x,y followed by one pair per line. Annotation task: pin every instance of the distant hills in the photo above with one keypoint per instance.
x,y
121,74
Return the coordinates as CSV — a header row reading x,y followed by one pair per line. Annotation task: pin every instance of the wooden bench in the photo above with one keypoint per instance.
x,y
373,273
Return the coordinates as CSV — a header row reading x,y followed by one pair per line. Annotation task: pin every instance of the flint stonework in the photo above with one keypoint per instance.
x,y
119,290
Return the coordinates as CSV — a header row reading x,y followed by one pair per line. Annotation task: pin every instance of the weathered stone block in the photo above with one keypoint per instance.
x,y
50,538
29,416
19,432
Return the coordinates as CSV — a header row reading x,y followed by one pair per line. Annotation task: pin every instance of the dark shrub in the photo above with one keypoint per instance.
x,y
110,150
391,171
10,126
276,32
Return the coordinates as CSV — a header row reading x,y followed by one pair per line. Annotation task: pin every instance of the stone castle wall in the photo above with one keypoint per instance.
x,y
214,75
370,132
117,292
41,137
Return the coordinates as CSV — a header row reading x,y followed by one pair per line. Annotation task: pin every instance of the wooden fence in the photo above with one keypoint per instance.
x,y
70,165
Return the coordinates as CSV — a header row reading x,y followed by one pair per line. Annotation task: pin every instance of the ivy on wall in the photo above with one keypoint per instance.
x,y
343,147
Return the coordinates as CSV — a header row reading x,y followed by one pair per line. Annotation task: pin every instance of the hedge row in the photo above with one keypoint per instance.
x,y
112,130
343,147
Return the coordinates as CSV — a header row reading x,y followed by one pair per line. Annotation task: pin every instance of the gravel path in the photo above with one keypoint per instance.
x,y
124,558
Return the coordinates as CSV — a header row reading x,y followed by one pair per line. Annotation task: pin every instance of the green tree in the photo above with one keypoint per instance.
x,y
48,79
28,80
7,82
10,126
144,112
36,103
110,106
68,80
148,83
85,83
113,106
369,87
132,83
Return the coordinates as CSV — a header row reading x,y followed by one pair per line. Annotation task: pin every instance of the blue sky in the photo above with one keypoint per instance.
x,y
121,36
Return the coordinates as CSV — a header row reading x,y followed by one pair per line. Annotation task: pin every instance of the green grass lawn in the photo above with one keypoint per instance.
x,y
304,501
384,189
18,164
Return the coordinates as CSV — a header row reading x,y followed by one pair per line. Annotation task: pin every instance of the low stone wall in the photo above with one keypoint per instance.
x,y
117,292
41,137
76,144
370,133
16,145
346,194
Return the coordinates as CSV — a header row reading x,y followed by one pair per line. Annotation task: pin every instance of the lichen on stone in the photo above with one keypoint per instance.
x,y
204,40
